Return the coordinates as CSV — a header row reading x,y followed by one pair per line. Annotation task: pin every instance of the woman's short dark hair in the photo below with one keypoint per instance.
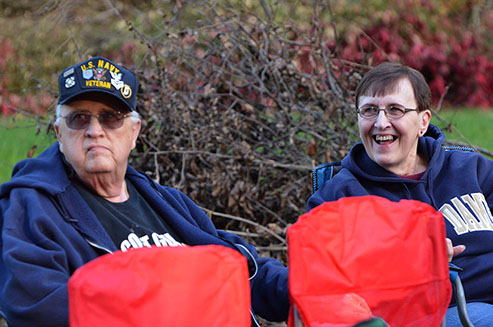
x,y
384,79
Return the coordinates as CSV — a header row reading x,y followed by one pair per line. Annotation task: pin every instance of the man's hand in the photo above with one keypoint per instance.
x,y
452,251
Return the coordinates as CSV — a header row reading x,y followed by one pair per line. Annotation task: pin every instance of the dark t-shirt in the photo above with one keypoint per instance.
x,y
130,224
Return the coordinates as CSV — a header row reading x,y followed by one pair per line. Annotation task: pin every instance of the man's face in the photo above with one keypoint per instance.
x,y
96,149
392,143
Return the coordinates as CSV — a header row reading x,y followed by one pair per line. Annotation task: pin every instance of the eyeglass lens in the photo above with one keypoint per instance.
x,y
390,112
81,120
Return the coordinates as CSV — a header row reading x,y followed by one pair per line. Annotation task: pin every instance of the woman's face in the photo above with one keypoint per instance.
x,y
392,143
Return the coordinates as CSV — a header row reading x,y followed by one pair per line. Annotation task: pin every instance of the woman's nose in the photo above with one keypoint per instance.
x,y
382,121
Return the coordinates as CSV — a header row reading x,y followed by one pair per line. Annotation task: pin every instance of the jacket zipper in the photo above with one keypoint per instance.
x,y
98,246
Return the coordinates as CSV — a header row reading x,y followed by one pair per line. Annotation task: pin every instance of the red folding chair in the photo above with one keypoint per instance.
x,y
360,257
172,286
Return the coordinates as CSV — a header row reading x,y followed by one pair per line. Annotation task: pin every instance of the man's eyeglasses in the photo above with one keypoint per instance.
x,y
107,119
392,111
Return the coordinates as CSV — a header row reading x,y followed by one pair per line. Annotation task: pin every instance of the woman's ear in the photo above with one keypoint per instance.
x,y
424,121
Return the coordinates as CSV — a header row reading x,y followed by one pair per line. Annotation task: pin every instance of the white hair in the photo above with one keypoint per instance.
x,y
134,115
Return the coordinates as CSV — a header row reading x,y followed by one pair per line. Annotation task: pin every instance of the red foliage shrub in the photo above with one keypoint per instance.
x,y
12,102
6,51
453,59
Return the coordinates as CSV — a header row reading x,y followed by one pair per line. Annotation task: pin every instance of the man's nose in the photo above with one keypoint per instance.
x,y
94,127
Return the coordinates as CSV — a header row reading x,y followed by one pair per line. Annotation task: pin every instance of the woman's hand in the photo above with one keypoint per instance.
x,y
452,251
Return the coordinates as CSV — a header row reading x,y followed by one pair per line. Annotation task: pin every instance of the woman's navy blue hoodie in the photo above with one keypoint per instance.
x,y
458,183
48,232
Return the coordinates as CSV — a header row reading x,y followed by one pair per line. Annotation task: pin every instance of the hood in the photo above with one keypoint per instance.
x,y
46,173
360,164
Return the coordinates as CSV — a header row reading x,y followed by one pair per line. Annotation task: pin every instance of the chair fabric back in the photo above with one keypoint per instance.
x,y
168,286
363,256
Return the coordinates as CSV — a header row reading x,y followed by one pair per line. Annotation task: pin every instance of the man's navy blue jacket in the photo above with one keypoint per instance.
x,y
48,231
459,184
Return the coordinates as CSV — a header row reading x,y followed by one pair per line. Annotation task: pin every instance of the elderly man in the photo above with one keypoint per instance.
x,y
80,199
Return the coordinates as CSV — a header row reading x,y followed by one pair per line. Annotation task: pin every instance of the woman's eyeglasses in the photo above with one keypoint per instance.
x,y
107,119
391,112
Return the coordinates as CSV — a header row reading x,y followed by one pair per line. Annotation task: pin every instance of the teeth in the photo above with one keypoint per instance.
x,y
384,138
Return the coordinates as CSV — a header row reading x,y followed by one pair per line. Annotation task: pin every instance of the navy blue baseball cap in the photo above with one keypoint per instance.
x,y
99,75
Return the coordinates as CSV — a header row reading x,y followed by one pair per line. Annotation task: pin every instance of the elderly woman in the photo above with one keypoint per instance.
x,y
401,157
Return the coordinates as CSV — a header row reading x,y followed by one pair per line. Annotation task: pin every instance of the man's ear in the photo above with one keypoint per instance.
x,y
57,131
136,130
58,136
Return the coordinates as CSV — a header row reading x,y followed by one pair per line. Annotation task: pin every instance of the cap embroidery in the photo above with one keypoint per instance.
x,y
116,80
87,74
93,83
99,74
69,82
126,91
68,72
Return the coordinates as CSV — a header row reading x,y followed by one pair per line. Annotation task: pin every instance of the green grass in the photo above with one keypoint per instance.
x,y
17,137
474,124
